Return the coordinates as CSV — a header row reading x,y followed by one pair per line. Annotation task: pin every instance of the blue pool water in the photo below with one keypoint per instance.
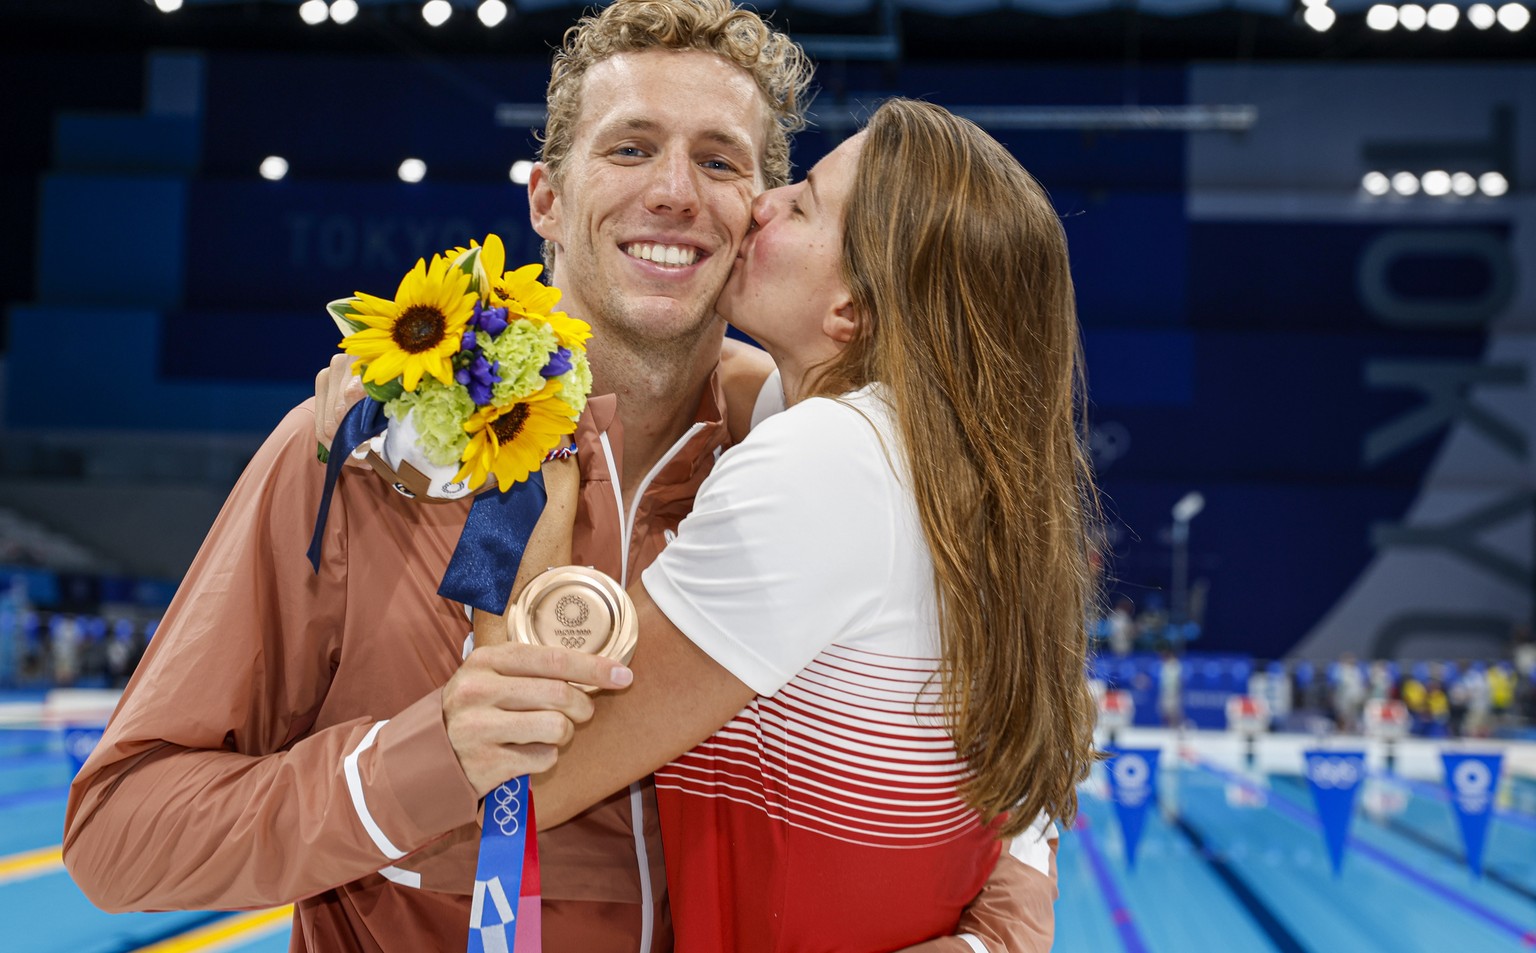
x,y
1227,862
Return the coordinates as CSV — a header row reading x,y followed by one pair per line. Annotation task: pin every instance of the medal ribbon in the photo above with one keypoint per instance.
x,y
362,423
485,560
507,875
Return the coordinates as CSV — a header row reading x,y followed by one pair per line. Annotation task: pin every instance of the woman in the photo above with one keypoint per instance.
x,y
881,593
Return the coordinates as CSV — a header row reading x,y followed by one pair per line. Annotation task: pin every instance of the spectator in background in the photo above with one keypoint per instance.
x,y
1349,693
1170,689
64,649
1472,695
1501,692
1121,624
1381,685
1271,684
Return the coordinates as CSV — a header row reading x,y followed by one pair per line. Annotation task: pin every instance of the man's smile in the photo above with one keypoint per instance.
x,y
660,254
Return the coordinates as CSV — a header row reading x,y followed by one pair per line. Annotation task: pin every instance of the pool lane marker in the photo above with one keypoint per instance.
x,y
1301,815
225,934
1119,912
31,863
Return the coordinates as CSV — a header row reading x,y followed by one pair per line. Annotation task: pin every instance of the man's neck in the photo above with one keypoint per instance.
x,y
658,396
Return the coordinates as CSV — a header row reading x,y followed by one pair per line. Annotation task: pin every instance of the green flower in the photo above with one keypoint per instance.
x,y
576,383
523,349
438,411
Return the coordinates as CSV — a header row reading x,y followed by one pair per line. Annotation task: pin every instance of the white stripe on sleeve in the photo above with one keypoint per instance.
x,y
359,804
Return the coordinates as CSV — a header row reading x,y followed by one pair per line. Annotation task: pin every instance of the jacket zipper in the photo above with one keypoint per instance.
x,y
626,531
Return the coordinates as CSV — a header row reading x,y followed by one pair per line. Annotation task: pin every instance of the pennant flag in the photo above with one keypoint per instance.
x,y
1334,777
1472,780
79,742
1132,785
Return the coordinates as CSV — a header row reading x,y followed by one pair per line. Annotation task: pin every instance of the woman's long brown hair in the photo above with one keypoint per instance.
x,y
958,265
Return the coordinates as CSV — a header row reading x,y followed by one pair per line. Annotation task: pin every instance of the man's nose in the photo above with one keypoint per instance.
x,y
674,187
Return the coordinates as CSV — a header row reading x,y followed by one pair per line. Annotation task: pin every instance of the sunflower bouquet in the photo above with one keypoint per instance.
x,y
477,373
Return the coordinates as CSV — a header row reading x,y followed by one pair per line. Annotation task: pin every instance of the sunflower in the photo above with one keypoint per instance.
x,y
418,332
510,441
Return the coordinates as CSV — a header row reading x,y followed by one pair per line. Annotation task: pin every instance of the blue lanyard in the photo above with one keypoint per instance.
x,y
499,873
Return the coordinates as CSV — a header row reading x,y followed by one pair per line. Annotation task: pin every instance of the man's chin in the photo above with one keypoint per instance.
x,y
659,320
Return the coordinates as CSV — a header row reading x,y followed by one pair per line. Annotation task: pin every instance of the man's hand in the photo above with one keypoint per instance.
x,y
510,707
336,390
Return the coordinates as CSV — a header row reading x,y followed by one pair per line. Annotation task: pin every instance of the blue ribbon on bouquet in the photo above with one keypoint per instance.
x,y
491,546
362,423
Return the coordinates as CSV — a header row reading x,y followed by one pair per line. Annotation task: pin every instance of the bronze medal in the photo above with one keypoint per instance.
x,y
576,607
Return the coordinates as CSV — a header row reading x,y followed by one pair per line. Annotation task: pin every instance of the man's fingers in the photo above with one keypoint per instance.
x,y
547,661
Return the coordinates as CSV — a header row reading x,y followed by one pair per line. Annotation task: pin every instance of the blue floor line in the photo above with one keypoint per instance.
x,y
1449,894
1119,912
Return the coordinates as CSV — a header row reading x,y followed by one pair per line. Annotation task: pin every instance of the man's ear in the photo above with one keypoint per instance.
x,y
544,203
842,323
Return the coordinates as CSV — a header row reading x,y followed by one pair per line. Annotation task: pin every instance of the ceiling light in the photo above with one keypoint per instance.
x,y
1405,183
1383,17
1412,16
522,171
1376,183
1319,18
343,11
413,170
492,12
1463,184
1514,17
1493,184
314,12
1481,15
1443,16
273,168
436,12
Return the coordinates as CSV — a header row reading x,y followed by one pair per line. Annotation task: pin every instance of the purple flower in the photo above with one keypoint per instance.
x,y
468,343
559,363
478,377
492,321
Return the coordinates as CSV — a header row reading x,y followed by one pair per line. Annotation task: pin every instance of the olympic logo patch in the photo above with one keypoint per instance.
x,y
1473,783
507,807
1336,773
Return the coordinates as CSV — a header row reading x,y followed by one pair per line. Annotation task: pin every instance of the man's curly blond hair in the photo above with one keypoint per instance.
x,y
776,63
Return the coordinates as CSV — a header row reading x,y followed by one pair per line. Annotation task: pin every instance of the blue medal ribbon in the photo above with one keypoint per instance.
x,y
485,561
362,423
499,873
491,546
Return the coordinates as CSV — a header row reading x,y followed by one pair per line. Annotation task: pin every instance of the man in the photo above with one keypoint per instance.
x,y
294,736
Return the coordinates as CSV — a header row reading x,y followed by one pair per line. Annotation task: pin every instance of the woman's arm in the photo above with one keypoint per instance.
x,y
680,697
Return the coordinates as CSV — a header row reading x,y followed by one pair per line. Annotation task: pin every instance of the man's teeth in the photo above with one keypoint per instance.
x,y
663,254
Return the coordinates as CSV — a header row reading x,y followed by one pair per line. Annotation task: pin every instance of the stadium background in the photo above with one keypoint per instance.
x,y
1303,249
